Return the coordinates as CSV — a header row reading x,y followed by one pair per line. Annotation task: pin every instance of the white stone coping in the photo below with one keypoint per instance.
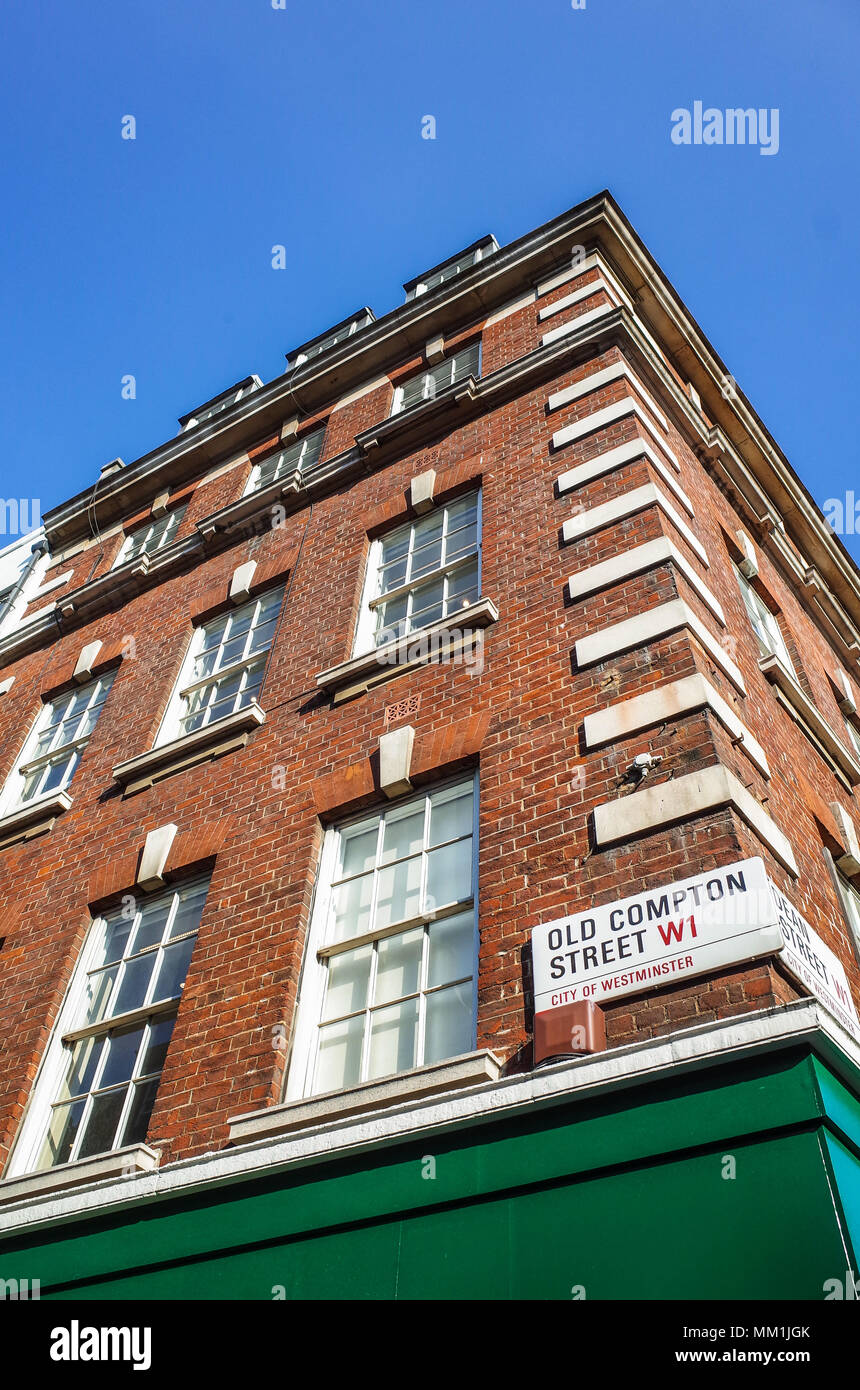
x,y
468,1070
392,655
667,702
161,759
807,714
694,794
134,1158
690,1049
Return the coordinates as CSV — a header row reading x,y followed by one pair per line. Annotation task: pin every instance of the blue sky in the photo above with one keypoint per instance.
x,y
302,126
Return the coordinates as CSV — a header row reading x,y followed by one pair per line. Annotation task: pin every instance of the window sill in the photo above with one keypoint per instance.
x,y
357,675
121,1163
801,708
222,736
471,1069
36,818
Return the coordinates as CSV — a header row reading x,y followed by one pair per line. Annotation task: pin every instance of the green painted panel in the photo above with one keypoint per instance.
x,y
681,1230
624,1127
358,1264
846,1173
838,1103
666,1230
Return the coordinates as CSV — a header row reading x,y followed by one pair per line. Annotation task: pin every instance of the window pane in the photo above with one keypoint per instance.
x,y
141,1109
452,949
83,1062
348,978
358,848
122,1054
352,907
449,874
404,832
450,814
189,909
117,932
155,1049
398,967
62,1132
393,1035
427,602
427,559
450,1027
99,992
57,774
391,619
398,892
393,575
102,1123
462,512
174,968
463,587
153,918
134,984
396,545
428,529
339,1060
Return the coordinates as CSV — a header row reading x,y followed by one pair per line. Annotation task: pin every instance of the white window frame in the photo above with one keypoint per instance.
x,y
10,797
315,967
175,712
853,734
428,376
293,458
157,534
54,1065
764,624
849,897
365,637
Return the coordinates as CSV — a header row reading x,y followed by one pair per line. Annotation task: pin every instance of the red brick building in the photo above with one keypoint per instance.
x,y
495,612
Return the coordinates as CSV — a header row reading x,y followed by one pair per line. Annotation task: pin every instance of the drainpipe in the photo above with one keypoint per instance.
x,y
38,550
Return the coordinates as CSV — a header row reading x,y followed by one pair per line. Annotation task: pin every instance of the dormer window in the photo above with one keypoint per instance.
x,y
447,270
339,334
219,403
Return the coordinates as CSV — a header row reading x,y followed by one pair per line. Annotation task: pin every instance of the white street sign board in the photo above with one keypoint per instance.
x,y
663,936
814,964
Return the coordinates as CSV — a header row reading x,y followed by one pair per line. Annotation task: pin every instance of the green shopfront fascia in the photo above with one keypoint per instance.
x,y
615,1191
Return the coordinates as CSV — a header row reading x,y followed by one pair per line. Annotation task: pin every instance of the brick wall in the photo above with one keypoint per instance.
x,y
520,719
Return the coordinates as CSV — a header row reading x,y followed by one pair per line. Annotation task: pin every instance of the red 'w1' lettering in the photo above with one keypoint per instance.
x,y
671,932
